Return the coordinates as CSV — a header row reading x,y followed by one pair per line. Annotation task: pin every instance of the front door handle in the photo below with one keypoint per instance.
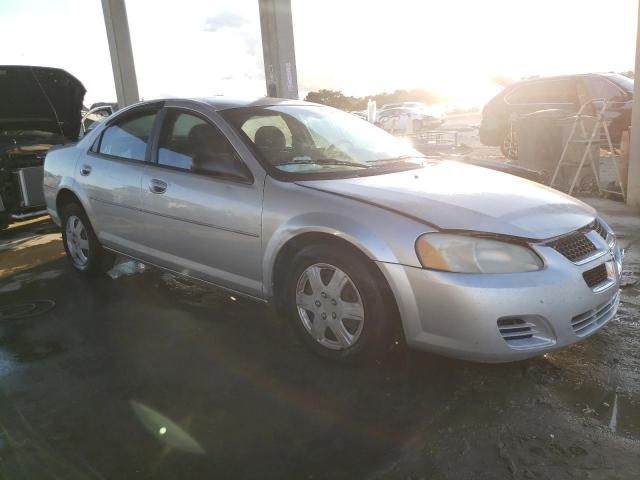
x,y
157,186
85,170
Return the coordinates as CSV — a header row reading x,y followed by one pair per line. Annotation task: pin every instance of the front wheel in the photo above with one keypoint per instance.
x,y
337,305
80,242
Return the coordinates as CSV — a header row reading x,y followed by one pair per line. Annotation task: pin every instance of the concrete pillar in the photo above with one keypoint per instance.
x,y
124,71
278,48
633,183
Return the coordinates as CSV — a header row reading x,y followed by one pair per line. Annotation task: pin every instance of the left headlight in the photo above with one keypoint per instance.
x,y
467,254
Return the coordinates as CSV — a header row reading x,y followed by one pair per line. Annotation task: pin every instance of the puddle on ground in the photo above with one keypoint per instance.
x,y
17,345
18,311
15,321
619,411
21,279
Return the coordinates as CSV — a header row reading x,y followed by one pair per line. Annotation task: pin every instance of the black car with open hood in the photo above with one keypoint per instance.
x,y
39,107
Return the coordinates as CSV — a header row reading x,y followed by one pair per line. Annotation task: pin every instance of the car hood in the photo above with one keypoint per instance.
x,y
40,99
454,196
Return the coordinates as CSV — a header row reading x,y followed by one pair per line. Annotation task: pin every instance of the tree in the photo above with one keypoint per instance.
x,y
337,99
333,98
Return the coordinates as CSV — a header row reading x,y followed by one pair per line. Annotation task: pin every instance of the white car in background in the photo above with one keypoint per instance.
x,y
418,105
407,120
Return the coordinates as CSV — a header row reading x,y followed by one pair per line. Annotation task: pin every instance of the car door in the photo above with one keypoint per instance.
x,y
110,174
203,203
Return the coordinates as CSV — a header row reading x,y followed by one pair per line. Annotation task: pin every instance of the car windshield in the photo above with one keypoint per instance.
x,y
307,140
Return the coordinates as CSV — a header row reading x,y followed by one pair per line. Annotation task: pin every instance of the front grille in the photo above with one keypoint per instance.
x,y
515,329
596,276
575,246
588,322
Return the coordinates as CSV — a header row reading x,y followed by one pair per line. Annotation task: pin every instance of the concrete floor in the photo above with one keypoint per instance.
x,y
149,377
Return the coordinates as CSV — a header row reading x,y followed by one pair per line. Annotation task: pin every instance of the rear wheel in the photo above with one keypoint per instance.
x,y
336,304
80,242
509,146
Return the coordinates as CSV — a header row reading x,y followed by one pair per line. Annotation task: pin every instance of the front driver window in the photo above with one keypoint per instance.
x,y
189,142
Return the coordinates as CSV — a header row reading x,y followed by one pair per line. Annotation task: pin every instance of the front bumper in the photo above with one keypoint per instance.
x,y
464,315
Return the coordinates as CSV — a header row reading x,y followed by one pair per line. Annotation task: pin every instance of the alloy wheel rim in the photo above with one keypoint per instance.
x,y
77,241
330,306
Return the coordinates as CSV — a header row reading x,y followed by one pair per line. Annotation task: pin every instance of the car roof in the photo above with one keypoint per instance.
x,y
560,77
220,103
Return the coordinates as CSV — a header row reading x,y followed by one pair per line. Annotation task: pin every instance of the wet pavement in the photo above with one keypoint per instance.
x,y
149,376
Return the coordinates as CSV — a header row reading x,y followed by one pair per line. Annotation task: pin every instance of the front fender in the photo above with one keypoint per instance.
x,y
291,210
345,228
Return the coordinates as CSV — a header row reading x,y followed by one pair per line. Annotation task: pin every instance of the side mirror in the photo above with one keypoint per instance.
x,y
223,166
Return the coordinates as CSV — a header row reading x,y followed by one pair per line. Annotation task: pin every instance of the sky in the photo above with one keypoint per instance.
x,y
455,48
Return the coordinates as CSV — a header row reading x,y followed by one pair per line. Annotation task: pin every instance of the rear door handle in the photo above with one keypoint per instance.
x,y
157,186
85,170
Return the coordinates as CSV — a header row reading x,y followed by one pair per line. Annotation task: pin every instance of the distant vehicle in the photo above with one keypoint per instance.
x,y
39,107
94,116
562,92
418,105
352,234
406,120
360,114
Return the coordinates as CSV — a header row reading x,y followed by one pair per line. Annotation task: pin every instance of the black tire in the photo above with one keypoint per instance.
x,y
98,260
509,146
379,320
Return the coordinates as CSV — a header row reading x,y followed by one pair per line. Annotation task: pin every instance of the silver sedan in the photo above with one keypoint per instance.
x,y
348,231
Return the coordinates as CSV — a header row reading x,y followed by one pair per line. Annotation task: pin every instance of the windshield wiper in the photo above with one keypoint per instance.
x,y
401,159
322,161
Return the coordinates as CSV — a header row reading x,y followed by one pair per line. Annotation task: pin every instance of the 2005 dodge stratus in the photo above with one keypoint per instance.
x,y
347,230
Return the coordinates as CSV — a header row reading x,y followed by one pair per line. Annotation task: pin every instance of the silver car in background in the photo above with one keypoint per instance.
x,y
349,232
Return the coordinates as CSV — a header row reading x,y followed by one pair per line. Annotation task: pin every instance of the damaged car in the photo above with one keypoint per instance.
x,y
349,232
40,108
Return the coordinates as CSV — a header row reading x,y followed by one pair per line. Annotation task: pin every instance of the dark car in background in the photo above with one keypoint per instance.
x,y
562,92
39,107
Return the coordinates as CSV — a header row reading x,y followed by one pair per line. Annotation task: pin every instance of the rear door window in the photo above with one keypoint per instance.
x,y
128,138
544,92
558,91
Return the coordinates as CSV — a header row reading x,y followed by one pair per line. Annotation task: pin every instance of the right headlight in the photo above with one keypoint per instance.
x,y
468,254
